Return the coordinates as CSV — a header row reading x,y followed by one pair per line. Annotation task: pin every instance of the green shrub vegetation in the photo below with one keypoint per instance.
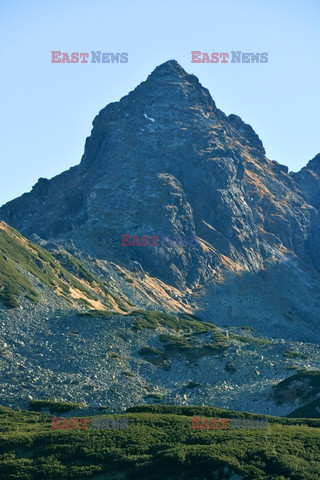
x,y
193,385
53,406
128,374
159,444
248,328
154,356
96,314
177,343
12,282
154,396
304,385
311,410
245,339
187,346
150,351
292,354
180,322
74,266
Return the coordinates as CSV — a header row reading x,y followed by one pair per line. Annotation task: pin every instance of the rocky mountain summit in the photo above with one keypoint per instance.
x,y
164,161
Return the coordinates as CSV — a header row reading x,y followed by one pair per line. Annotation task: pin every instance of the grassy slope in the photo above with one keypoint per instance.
x,y
159,444
20,257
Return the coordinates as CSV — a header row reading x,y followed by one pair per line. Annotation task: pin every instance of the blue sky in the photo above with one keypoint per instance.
x,y
47,109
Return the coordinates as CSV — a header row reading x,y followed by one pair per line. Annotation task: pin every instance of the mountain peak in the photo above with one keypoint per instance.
x,y
314,164
165,160
169,67
171,72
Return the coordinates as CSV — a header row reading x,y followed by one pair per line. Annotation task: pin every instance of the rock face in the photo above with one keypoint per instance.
x,y
308,180
164,160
